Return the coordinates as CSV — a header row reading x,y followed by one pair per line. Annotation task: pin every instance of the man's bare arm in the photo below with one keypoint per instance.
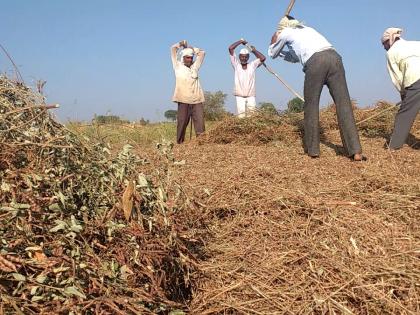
x,y
258,54
236,44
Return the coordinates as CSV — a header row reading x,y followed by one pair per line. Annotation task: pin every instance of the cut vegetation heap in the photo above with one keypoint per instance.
x,y
263,128
66,244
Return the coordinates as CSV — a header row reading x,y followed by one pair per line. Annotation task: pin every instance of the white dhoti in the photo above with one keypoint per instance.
x,y
245,106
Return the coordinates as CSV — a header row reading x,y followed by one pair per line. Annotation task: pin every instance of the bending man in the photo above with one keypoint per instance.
x,y
404,68
245,77
322,65
188,92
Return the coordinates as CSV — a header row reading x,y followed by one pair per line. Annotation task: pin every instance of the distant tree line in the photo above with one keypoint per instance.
x,y
214,107
115,120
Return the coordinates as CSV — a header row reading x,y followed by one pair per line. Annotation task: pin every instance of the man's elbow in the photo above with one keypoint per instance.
x,y
201,54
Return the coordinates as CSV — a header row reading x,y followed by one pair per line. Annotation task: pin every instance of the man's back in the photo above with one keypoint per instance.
x,y
304,40
404,62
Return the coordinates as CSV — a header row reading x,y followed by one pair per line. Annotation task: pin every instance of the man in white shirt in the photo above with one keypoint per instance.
x,y
245,77
295,42
404,68
188,92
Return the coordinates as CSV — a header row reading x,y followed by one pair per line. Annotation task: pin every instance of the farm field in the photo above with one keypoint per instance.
x,y
110,204
282,233
237,221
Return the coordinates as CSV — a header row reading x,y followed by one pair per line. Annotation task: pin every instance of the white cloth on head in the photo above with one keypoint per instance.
x,y
244,51
187,52
285,22
245,106
301,44
404,63
391,34
244,78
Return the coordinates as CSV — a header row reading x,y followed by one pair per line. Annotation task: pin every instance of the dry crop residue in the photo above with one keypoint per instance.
x,y
295,235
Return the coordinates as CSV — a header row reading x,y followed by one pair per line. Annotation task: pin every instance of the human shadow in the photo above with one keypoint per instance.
x,y
412,141
338,149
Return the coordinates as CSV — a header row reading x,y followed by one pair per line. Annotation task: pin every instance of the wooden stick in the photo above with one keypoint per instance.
x,y
278,77
378,114
284,82
290,7
33,107
191,122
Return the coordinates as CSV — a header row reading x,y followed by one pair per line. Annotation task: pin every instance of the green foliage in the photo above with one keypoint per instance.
x,y
267,108
108,119
68,205
143,122
171,114
137,134
214,105
295,105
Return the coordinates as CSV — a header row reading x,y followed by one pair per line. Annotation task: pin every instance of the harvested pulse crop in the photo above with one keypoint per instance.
x,y
83,230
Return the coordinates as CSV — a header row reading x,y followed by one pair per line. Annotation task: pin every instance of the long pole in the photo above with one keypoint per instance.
x,y
283,82
379,114
191,122
279,78
287,12
290,7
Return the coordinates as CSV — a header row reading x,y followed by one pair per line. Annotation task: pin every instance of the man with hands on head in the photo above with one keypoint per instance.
x,y
188,93
244,90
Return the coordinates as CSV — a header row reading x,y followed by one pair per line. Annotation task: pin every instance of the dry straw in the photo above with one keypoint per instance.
x,y
295,235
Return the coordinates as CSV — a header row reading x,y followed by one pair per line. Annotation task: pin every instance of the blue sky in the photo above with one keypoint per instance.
x,y
101,55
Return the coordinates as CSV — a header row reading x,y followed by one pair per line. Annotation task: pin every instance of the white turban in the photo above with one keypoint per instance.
x,y
391,34
244,51
286,22
187,52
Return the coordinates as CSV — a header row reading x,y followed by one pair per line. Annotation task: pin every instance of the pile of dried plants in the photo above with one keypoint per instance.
x,y
83,230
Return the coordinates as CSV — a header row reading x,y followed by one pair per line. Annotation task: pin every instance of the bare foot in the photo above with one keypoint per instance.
x,y
358,157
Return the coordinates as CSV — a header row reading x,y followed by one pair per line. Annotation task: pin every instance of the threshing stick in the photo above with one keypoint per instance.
x,y
379,114
278,77
290,7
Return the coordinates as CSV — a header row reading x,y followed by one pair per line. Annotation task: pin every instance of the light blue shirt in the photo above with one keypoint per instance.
x,y
301,42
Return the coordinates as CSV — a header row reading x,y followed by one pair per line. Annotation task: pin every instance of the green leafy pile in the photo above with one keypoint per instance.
x,y
82,230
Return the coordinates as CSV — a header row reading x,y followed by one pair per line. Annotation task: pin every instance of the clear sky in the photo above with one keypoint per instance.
x,y
101,55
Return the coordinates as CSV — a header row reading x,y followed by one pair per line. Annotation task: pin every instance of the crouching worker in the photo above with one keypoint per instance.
x,y
295,42
404,68
245,77
188,92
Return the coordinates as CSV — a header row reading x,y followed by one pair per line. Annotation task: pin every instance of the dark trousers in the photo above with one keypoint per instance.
x,y
185,113
326,68
406,116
